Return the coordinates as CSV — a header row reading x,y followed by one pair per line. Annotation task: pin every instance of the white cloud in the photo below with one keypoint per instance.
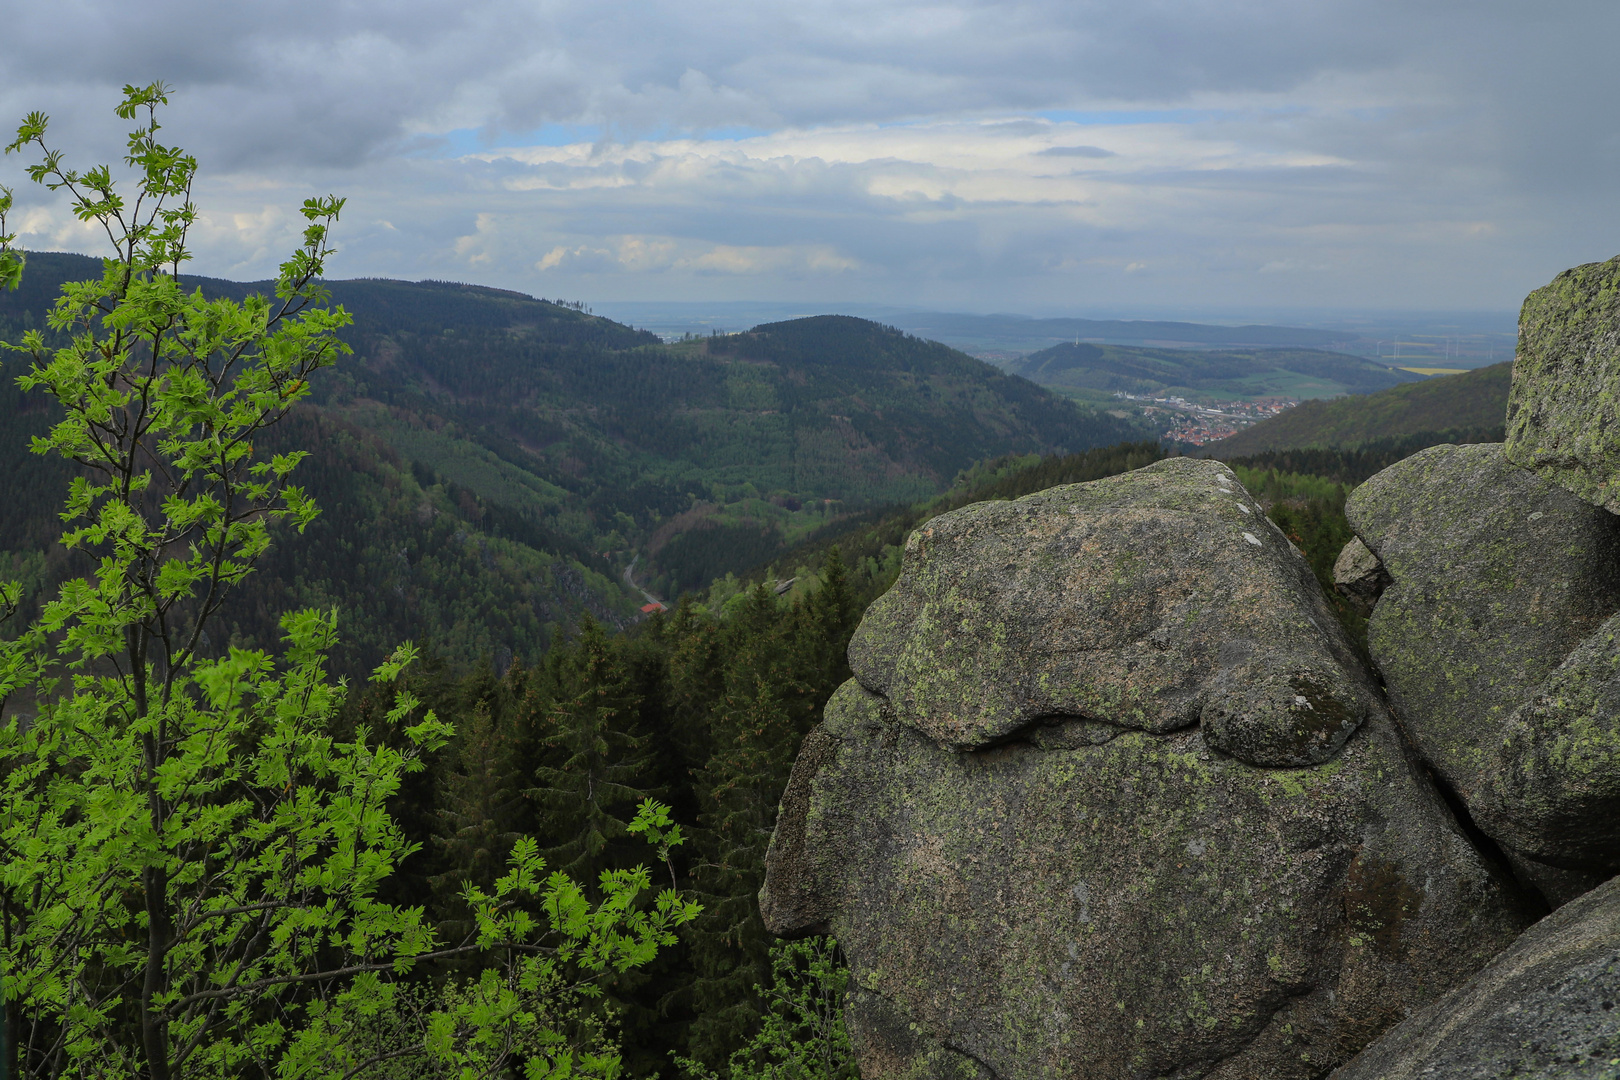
x,y
928,151
652,255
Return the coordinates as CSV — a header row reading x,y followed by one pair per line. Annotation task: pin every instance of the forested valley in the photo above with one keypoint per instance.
x,y
504,481
493,467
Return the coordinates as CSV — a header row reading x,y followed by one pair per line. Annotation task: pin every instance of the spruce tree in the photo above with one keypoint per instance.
x,y
594,763
779,666
481,798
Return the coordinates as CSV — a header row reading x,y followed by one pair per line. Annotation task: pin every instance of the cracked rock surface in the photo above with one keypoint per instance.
x,y
1553,787
1497,574
1490,642
1543,1010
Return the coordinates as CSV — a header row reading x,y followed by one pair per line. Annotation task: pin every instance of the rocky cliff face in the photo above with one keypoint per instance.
x,y
1111,795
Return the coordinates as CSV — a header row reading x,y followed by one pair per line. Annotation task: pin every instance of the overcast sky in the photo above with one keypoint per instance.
x,y
1011,156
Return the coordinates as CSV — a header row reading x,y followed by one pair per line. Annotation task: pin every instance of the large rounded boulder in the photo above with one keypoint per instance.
x,y
1498,575
1109,797
1154,600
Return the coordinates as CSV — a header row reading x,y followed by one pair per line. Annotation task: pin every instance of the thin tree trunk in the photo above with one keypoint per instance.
x,y
154,1029
154,883
8,1021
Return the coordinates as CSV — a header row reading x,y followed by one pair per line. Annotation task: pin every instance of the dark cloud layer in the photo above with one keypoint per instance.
x,y
1370,148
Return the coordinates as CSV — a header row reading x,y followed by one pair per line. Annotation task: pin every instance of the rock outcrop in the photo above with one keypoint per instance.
x,y
1543,1010
1112,796
1151,601
1359,577
1563,417
1109,797
1496,575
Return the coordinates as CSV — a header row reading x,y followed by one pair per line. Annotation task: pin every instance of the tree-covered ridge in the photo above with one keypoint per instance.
x,y
403,552
903,394
847,411
1253,372
1473,405
378,304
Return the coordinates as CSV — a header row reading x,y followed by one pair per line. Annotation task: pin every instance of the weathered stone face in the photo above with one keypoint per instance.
x,y
1546,1009
1154,600
1068,822
1145,906
1563,416
1497,574
1553,786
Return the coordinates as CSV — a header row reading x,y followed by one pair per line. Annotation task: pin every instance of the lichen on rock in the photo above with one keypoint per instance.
x,y
1553,786
1563,418
1497,574
1152,601
1543,1010
1142,907
1111,797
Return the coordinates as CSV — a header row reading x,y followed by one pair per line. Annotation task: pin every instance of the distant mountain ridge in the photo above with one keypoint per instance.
x,y
1279,372
1040,332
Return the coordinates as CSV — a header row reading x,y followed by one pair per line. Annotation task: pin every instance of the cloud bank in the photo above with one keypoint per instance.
x,y
1022,156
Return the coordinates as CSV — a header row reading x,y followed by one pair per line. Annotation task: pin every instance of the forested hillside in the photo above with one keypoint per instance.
x,y
1470,407
718,694
491,466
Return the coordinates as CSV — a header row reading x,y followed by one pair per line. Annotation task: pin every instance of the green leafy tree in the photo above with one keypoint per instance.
x,y
189,858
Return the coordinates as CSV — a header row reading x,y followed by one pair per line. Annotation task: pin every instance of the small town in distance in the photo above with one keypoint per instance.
x,y
1197,424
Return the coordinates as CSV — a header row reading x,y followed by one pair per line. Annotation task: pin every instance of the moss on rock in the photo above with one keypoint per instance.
x,y
1497,574
1153,600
